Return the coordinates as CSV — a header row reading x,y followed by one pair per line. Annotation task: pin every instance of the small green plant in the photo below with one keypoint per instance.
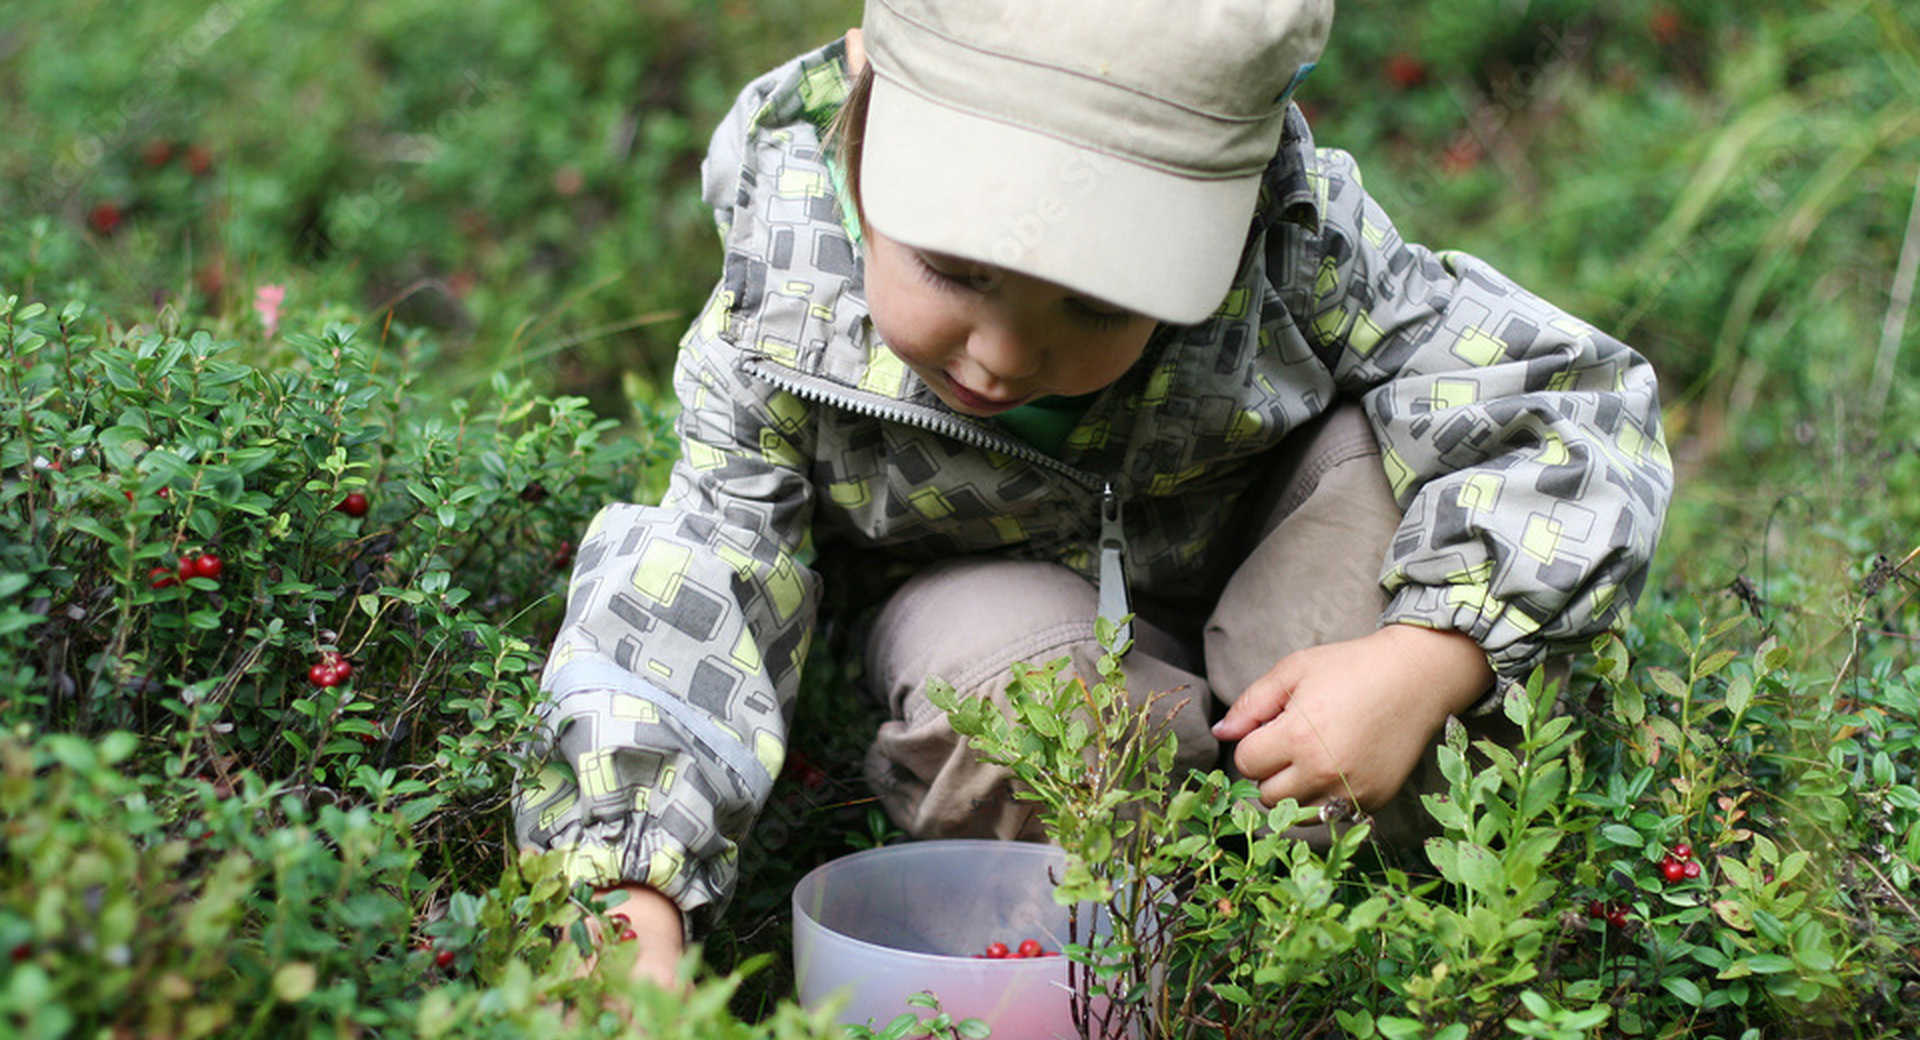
x,y
909,1025
1647,884
269,630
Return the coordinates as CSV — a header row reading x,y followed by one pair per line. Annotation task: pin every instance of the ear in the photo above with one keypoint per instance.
x,y
856,52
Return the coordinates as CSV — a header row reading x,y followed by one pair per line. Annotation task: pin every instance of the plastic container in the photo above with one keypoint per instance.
x,y
886,923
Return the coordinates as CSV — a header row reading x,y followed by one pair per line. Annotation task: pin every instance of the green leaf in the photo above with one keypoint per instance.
x,y
1739,695
1714,662
1621,834
1670,684
1766,963
973,1029
1394,1027
1683,988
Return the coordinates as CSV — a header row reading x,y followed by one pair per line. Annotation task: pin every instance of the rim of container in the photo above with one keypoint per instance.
x,y
929,847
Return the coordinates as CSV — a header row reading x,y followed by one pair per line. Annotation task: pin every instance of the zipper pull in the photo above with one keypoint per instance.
x,y
1115,604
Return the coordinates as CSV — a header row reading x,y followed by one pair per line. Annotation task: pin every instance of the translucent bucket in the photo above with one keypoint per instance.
x,y
881,925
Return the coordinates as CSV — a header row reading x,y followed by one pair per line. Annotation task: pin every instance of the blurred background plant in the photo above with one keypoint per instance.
x,y
261,225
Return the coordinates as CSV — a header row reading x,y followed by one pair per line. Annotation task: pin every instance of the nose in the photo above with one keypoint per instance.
x,y
1003,353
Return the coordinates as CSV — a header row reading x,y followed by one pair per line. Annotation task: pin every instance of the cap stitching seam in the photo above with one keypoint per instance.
x,y
1222,117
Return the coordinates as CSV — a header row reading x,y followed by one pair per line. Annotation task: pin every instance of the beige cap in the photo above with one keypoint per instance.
x,y
1111,146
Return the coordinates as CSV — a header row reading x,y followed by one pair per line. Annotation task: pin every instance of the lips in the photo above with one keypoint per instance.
x,y
976,403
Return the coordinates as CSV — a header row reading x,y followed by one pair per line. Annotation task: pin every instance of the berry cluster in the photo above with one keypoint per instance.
x,y
998,951
1679,864
203,565
330,670
1614,914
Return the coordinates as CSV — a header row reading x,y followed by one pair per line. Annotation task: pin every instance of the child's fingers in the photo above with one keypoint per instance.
x,y
1260,702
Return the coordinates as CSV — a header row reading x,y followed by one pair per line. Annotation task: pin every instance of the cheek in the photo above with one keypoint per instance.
x,y
1105,359
911,318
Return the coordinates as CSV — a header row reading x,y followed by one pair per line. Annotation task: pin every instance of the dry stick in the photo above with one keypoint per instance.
x,y
1895,324
1891,890
1847,664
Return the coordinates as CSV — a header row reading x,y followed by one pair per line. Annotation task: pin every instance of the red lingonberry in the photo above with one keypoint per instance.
x,y
208,565
996,951
355,504
1617,917
629,935
444,958
341,669
1596,909
164,493
104,218
187,569
1664,24
1028,948
1672,869
1691,869
161,577
22,952
323,674
157,152
1683,852
1405,71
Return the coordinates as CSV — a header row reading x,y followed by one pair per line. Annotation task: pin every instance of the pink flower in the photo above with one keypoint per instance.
x,y
266,303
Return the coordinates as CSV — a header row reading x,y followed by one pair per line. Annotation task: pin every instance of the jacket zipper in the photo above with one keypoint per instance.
x,y
1115,603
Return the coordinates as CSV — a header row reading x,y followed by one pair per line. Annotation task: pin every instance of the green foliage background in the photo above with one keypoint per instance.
x,y
485,216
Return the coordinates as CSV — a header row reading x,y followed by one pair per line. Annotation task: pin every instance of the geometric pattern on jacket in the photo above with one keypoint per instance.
x,y
1523,443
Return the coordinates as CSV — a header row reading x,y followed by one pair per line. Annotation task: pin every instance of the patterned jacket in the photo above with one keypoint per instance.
x,y
1524,445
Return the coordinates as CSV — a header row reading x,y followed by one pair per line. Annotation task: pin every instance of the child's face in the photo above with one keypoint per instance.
x,y
987,339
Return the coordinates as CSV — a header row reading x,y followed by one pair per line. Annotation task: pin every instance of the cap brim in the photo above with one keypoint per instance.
x,y
1135,236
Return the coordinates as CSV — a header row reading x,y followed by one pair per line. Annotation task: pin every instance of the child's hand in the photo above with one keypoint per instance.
x,y
1351,719
642,915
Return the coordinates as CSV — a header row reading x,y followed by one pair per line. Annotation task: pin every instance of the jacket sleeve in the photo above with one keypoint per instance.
x,y
1524,444
670,687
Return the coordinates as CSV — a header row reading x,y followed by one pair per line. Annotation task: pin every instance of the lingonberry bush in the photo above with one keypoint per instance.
x,y
1720,847
268,632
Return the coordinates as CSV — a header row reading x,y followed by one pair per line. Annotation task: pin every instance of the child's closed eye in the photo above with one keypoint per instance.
x,y
953,275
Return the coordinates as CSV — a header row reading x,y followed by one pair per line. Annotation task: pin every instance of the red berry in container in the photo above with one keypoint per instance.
x,y
1028,948
997,951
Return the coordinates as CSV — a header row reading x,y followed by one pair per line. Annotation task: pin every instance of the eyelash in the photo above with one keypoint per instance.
x,y
954,283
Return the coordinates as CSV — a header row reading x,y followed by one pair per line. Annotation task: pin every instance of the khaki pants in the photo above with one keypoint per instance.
x,y
1318,537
